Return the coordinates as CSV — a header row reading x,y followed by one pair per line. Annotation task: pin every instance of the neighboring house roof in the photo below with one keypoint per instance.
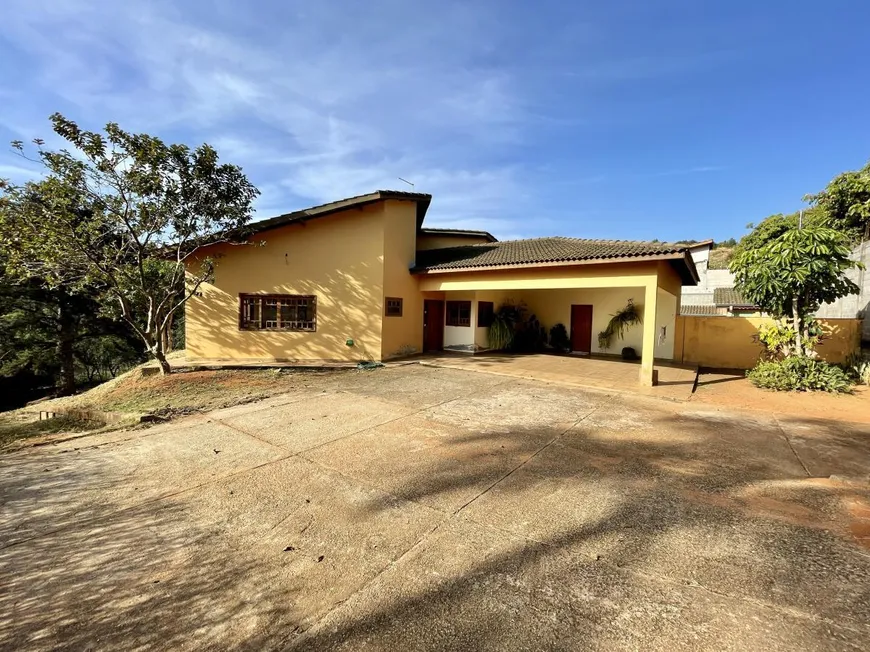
x,y
730,297
699,309
554,250
459,232
703,244
306,214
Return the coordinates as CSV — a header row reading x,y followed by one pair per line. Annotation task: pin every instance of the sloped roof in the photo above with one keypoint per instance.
x,y
423,201
699,309
459,232
730,297
553,250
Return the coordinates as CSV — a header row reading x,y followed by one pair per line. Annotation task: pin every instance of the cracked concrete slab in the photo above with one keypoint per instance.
x,y
422,508
45,488
315,421
470,587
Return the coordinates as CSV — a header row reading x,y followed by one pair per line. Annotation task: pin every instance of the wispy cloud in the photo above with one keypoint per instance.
x,y
315,100
700,169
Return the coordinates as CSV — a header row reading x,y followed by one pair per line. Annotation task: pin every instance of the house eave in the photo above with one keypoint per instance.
x,y
563,263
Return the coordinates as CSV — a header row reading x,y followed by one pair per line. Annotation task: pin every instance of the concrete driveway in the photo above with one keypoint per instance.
x,y
415,508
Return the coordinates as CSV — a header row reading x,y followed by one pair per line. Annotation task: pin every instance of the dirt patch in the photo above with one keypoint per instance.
x,y
194,391
18,426
165,397
731,390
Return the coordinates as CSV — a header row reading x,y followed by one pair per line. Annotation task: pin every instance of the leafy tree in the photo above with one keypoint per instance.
x,y
126,213
794,273
846,203
772,227
43,329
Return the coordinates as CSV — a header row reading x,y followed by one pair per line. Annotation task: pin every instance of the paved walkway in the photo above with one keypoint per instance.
x,y
675,381
418,508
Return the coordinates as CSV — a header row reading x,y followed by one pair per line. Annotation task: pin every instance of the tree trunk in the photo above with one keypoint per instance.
x,y
167,334
159,352
160,356
65,341
797,326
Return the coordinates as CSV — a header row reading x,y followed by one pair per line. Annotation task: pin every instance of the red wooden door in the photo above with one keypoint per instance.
x,y
581,328
433,325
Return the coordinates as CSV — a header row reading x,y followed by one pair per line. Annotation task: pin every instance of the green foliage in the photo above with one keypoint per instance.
x,y
859,369
515,330
793,274
779,340
845,202
127,214
799,374
40,330
104,357
730,242
529,336
559,338
619,322
504,325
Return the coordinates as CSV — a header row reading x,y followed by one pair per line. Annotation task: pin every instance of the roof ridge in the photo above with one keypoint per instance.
x,y
597,240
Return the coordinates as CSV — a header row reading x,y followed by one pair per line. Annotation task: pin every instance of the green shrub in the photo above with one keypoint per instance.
x,y
859,369
799,374
529,336
559,338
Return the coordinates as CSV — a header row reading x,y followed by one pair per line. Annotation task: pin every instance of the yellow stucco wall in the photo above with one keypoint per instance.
x,y
339,259
553,307
403,335
425,241
545,277
728,342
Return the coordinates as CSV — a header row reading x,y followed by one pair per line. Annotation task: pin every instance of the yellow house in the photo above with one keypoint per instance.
x,y
361,278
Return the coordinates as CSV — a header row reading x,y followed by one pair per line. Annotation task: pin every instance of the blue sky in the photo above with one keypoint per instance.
x,y
621,119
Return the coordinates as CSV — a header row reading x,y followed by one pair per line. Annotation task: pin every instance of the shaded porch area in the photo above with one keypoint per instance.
x,y
675,382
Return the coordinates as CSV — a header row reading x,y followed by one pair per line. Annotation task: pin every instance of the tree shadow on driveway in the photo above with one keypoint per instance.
x,y
678,529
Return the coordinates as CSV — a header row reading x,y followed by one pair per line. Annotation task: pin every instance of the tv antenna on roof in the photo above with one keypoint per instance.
x,y
406,181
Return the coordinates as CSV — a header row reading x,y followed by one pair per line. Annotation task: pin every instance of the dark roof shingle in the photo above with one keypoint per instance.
x,y
431,230
729,297
701,309
540,250
323,210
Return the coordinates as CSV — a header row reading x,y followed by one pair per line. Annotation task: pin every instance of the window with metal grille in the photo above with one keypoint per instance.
x,y
393,307
277,312
459,313
485,314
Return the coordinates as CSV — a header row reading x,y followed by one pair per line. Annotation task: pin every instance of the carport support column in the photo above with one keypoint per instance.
x,y
647,373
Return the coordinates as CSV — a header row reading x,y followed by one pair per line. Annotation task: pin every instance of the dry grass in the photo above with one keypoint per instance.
x,y
18,425
192,391
180,393
719,258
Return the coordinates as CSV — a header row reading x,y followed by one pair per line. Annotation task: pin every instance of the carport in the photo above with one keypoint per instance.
x,y
562,280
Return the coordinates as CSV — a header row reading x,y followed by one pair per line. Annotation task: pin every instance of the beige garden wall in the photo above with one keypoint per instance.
x,y
722,342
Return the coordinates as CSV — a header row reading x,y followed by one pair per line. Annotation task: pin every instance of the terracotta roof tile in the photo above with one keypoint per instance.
x,y
729,297
703,309
540,250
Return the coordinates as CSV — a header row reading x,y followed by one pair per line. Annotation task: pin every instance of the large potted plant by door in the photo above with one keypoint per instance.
x,y
505,322
621,321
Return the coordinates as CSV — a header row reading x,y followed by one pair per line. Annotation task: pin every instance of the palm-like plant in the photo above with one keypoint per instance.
x,y
504,326
619,322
